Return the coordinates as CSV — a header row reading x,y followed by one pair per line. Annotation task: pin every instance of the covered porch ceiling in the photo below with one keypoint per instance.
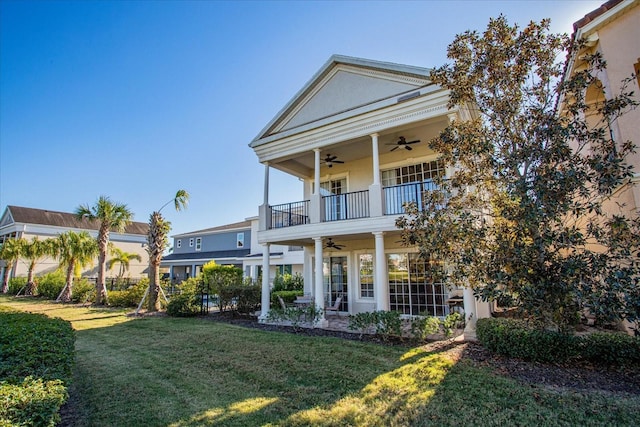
x,y
301,164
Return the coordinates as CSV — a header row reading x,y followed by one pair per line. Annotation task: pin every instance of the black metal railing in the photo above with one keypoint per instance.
x,y
396,196
339,207
290,214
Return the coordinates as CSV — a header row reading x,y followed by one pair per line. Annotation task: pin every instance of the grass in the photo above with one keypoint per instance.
x,y
160,371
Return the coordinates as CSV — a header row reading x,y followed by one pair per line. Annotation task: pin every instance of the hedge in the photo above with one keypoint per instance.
x,y
35,367
516,338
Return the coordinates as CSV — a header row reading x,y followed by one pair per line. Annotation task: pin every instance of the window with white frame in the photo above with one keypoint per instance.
x,y
198,243
420,172
178,243
191,242
407,184
240,240
365,265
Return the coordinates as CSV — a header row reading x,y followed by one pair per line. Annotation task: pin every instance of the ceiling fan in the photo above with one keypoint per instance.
x,y
330,160
330,244
402,142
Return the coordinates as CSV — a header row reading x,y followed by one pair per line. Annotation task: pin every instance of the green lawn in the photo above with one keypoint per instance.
x,y
160,371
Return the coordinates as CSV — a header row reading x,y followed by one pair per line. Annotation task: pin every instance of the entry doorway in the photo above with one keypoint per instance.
x,y
334,272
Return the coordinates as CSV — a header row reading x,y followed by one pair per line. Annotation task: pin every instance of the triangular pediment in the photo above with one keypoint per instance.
x,y
6,219
346,85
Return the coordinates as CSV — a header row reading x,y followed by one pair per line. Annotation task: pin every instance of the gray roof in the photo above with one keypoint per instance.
x,y
237,253
232,226
65,219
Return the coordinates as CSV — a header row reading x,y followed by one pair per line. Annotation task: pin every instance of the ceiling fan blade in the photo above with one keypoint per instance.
x,y
413,142
338,161
395,148
408,148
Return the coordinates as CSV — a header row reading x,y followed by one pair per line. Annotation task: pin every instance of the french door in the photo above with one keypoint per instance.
x,y
335,281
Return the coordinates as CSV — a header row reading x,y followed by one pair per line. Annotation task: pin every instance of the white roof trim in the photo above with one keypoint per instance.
x,y
334,60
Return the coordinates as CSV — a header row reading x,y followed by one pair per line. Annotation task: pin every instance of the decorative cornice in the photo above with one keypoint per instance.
x,y
356,127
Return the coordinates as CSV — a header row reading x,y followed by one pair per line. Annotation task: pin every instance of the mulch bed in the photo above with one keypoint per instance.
x,y
576,377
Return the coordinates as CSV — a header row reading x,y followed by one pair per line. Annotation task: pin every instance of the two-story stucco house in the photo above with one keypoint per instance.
x,y
22,222
357,136
613,30
230,244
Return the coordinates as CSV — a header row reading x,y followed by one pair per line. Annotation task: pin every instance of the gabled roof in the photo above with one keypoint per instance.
x,y
345,84
228,227
236,253
20,214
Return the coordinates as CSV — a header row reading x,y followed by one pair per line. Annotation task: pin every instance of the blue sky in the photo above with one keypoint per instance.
x,y
137,99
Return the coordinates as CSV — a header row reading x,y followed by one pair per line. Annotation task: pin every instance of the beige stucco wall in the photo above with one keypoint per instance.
x,y
619,43
136,268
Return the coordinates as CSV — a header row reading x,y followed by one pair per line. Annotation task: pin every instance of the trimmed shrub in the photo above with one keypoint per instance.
x,y
248,298
184,305
33,402
15,284
385,323
36,365
515,338
83,291
610,348
50,285
33,344
129,297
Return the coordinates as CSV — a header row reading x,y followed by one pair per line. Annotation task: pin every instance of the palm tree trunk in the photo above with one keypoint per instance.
x,y
68,290
101,289
31,287
5,279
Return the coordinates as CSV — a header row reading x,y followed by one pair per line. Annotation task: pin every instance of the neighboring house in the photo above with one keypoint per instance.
x,y
229,244
613,30
17,222
350,135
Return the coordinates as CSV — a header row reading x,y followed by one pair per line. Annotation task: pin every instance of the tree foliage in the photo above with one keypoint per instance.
x,y
526,215
9,253
73,250
111,216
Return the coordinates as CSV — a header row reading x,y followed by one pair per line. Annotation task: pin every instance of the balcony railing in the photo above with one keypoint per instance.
x,y
339,207
290,214
397,195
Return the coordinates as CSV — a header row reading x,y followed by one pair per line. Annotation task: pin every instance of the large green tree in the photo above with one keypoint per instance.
x,y
73,250
157,241
118,256
522,218
111,216
9,253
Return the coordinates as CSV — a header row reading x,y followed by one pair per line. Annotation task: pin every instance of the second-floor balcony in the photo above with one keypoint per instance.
x,y
353,205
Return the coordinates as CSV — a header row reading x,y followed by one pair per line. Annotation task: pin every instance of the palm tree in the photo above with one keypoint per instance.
x,y
157,242
33,251
9,253
73,250
118,256
112,217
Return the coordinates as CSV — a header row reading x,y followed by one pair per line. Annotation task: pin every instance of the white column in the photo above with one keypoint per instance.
x,y
470,315
264,214
381,279
266,184
266,290
308,270
375,189
316,171
315,215
376,159
318,293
